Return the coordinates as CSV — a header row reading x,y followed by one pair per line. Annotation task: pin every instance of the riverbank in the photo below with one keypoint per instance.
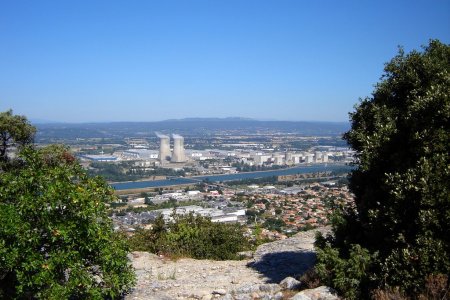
x,y
299,169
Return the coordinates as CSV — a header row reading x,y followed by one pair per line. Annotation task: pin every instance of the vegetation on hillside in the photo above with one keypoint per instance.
x,y
56,240
397,238
191,236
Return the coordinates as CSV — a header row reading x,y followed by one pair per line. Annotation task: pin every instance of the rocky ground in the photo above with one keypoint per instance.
x,y
267,275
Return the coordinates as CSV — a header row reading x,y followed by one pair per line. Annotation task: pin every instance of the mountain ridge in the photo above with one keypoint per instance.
x,y
199,119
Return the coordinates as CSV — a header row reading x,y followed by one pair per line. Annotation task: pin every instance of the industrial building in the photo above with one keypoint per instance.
x,y
143,154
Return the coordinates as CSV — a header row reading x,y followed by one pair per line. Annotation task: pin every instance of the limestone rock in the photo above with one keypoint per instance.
x,y
290,283
320,293
246,254
246,289
220,292
278,296
161,278
271,288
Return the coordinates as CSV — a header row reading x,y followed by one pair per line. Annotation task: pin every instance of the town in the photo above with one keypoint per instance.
x,y
279,210
278,205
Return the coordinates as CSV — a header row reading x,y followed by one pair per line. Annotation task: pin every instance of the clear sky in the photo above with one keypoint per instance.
x,y
78,61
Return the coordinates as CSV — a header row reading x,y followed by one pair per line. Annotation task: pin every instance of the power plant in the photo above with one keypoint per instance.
x,y
178,155
164,147
178,149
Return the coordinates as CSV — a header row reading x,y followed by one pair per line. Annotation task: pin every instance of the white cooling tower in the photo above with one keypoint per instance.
x,y
164,147
178,148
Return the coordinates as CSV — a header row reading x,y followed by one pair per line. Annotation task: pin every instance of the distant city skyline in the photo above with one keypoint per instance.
x,y
111,61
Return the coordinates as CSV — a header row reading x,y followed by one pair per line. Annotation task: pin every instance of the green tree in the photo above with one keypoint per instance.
x,y
56,240
401,183
15,131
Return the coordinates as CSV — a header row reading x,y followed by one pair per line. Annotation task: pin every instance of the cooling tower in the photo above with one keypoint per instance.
x,y
164,147
288,157
178,148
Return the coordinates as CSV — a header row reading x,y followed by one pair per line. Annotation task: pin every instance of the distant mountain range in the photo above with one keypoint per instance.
x,y
41,121
226,119
188,127
230,119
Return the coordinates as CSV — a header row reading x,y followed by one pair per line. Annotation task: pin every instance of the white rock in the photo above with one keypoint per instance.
x,y
227,297
219,292
290,283
278,296
320,293
269,287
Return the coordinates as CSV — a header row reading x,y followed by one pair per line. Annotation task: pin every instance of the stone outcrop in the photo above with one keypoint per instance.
x,y
268,275
290,283
320,293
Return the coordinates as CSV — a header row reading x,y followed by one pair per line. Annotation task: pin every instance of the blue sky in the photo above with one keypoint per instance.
x,y
79,61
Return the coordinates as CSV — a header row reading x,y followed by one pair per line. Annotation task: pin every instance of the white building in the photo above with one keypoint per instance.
x,y
143,154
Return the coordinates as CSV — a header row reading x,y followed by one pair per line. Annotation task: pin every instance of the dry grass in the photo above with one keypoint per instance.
x,y
389,294
310,279
436,288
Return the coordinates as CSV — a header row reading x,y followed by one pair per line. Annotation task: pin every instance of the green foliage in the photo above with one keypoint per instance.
x,y
347,273
191,236
15,131
56,240
274,224
257,237
402,140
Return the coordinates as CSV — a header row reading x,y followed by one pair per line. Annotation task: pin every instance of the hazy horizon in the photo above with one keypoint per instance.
x,y
232,118
111,61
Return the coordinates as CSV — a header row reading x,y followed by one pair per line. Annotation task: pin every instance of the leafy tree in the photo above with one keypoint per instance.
x,y
399,228
56,240
15,131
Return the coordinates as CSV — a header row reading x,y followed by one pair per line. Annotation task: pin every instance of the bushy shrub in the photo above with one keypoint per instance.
x,y
191,236
348,274
397,235
56,240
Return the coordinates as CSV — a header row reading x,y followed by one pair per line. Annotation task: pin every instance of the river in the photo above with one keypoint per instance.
x,y
228,177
